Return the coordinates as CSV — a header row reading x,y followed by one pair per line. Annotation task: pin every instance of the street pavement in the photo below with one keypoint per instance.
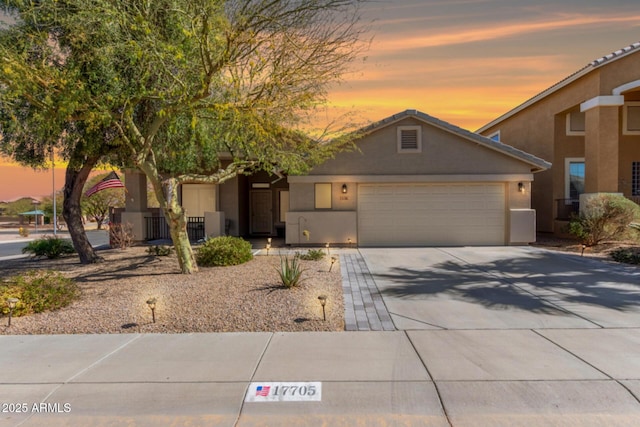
x,y
484,337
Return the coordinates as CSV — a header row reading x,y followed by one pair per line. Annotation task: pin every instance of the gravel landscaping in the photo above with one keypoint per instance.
x,y
247,297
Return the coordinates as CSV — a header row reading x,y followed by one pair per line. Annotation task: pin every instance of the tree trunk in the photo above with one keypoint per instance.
x,y
177,221
75,178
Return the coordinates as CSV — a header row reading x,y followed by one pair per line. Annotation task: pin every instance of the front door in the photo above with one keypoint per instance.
x,y
261,212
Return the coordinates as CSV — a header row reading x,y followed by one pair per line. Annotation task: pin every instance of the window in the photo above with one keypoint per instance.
x,y
635,179
631,118
495,136
409,139
323,196
575,123
574,177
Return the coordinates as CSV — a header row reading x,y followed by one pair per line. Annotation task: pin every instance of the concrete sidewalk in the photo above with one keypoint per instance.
x,y
588,377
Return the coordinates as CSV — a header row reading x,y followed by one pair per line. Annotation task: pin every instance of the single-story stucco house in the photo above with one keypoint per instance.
x,y
588,126
413,180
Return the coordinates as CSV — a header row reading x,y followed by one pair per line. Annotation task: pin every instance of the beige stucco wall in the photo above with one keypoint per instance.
x,y
540,130
445,158
442,153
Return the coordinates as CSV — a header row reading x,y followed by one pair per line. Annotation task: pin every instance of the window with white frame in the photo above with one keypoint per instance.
x,y
574,177
409,139
323,196
635,179
495,136
576,123
631,118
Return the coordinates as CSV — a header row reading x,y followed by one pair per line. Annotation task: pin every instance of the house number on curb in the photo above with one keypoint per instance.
x,y
284,392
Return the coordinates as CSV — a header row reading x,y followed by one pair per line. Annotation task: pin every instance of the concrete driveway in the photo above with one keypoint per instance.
x,y
503,288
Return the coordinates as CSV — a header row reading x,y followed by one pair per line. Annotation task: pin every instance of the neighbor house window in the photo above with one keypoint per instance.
x,y
323,196
574,177
631,118
409,139
635,179
575,123
495,136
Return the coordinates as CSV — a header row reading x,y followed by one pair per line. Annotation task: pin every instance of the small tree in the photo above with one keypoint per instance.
x,y
605,217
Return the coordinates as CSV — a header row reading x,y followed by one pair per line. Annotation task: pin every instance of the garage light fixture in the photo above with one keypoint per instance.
x,y
344,188
521,187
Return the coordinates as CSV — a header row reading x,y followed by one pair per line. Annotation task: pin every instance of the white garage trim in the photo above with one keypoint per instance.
x,y
431,214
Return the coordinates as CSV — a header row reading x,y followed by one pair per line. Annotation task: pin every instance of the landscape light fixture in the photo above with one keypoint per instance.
x,y
333,261
583,248
151,302
323,302
349,241
11,302
268,247
521,187
326,245
344,188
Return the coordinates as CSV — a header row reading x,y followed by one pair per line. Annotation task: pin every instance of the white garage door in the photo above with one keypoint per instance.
x,y
431,214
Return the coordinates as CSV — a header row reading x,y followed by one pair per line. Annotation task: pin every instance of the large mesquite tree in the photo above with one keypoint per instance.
x,y
202,90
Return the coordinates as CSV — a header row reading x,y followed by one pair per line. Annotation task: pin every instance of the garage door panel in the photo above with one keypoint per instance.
x,y
431,215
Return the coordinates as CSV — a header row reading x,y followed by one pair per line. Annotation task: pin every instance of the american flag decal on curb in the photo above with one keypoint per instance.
x,y
262,390
284,392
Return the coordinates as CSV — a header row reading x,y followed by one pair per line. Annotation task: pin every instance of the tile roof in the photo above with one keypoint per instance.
x,y
538,163
593,65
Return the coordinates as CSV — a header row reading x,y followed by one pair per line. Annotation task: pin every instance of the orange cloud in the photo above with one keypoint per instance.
x,y
465,34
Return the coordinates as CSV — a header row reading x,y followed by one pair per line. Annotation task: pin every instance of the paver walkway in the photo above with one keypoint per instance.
x,y
364,308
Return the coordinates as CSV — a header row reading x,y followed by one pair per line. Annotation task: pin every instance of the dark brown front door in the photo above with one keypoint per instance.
x,y
261,212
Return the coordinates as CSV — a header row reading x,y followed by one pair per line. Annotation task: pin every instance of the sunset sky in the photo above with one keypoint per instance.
x,y
463,61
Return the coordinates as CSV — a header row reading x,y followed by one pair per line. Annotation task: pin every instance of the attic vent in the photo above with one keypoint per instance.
x,y
409,139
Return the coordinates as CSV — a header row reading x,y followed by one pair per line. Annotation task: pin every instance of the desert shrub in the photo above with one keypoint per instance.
x,y
224,250
312,255
605,217
626,255
120,235
39,291
159,250
49,246
290,271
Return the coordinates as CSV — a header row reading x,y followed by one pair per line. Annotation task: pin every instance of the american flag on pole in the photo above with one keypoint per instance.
x,y
109,181
263,390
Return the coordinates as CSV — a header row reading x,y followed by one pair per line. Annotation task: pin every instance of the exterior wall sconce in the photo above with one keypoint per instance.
x,y
521,187
344,188
323,302
151,302
11,302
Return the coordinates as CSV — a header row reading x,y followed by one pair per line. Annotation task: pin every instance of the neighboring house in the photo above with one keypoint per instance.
x,y
588,126
413,180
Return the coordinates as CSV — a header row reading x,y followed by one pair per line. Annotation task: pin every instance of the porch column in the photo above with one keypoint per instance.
x,y
602,143
135,202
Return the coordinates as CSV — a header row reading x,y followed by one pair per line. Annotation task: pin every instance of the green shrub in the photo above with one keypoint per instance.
x,y
626,255
312,255
49,246
290,271
159,250
605,217
39,291
224,250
